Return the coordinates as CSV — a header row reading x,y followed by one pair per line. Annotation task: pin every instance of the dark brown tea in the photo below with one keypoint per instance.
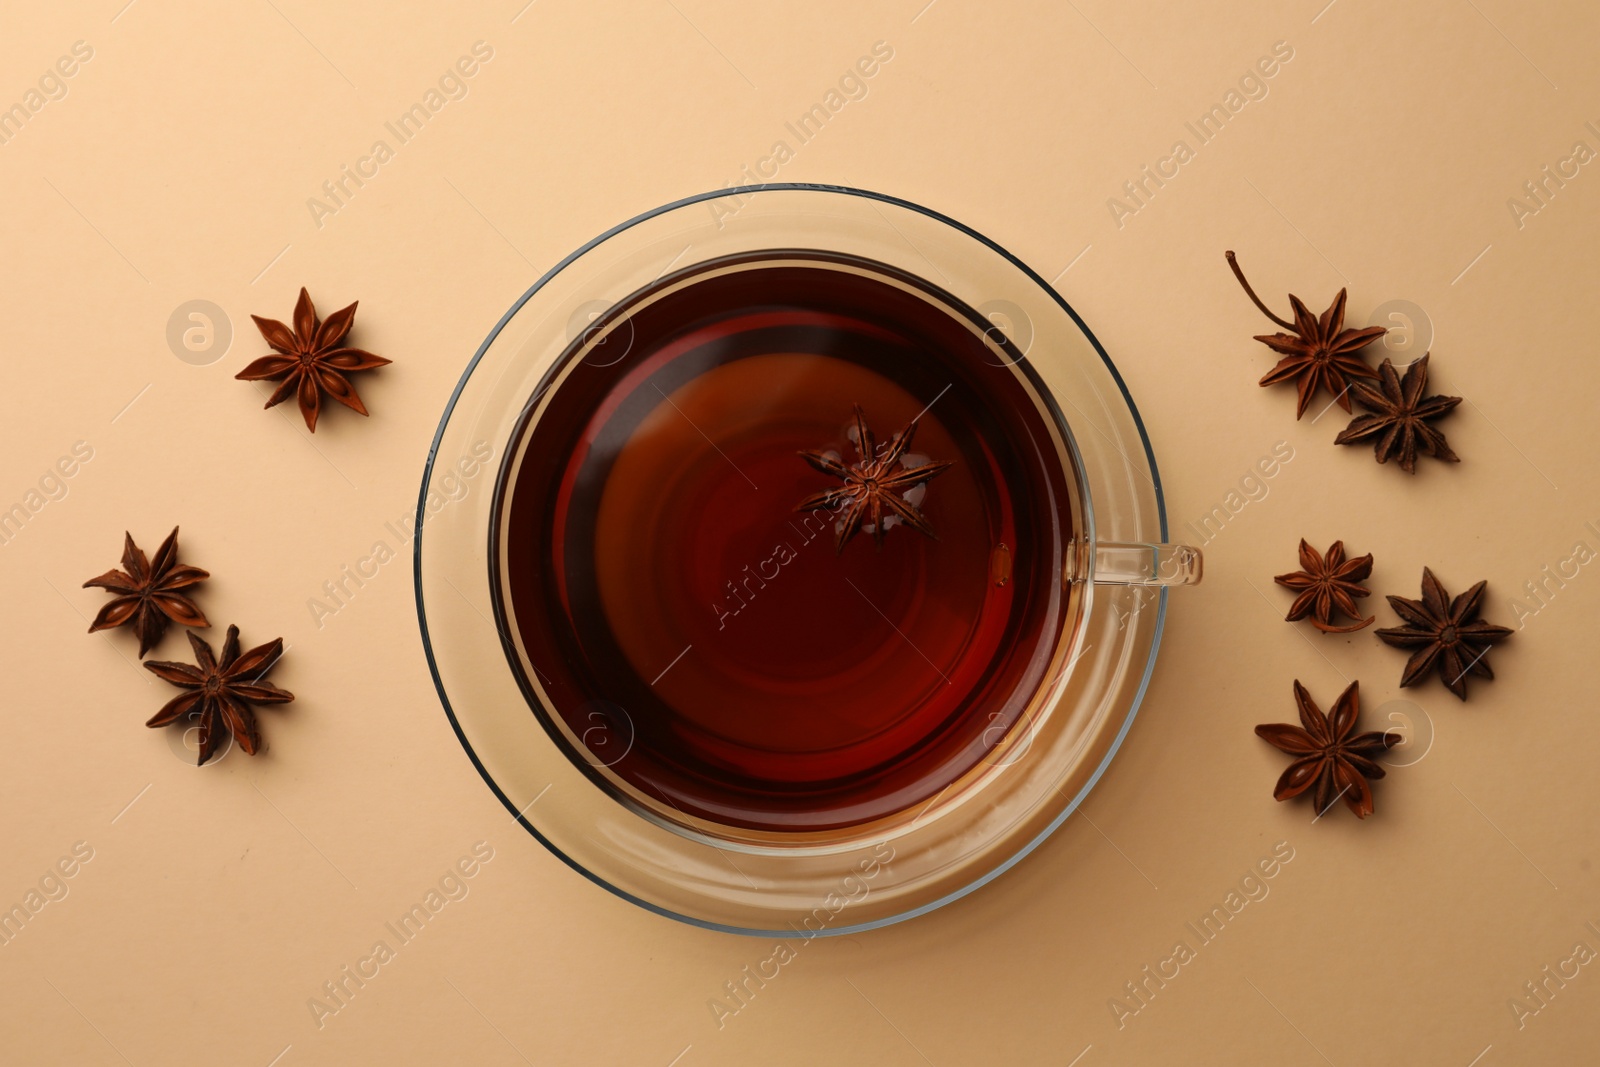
x,y
696,641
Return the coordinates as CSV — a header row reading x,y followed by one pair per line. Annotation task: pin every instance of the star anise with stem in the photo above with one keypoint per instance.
x,y
873,488
310,360
149,592
1316,351
220,692
1328,584
1444,634
1400,416
1327,757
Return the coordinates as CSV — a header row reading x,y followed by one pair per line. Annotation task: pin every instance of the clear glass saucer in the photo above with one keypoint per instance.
x,y
862,876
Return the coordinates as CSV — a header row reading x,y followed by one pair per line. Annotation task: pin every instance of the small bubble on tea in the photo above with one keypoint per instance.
x,y
1000,564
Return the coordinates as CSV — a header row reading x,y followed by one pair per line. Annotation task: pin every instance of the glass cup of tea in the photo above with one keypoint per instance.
x,y
792,559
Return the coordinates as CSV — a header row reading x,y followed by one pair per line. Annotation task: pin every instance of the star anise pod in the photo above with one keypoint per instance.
x,y
310,360
1400,417
148,593
1316,351
221,691
873,488
1444,633
1327,756
1328,584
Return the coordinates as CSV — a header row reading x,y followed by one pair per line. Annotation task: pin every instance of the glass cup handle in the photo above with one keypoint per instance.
x,y
1131,563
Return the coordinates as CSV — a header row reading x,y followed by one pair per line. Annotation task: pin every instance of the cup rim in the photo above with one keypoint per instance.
x,y
740,191
702,826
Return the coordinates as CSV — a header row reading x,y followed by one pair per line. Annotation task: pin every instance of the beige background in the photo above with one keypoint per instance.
x,y
178,167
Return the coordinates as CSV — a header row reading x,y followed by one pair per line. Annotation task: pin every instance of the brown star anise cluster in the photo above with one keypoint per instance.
x,y
1442,634
1445,634
310,360
217,692
1320,354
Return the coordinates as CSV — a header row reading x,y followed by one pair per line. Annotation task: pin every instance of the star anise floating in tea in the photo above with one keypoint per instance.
x,y
220,692
1327,757
1317,351
873,489
1328,584
149,593
310,361
1398,425
1444,634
